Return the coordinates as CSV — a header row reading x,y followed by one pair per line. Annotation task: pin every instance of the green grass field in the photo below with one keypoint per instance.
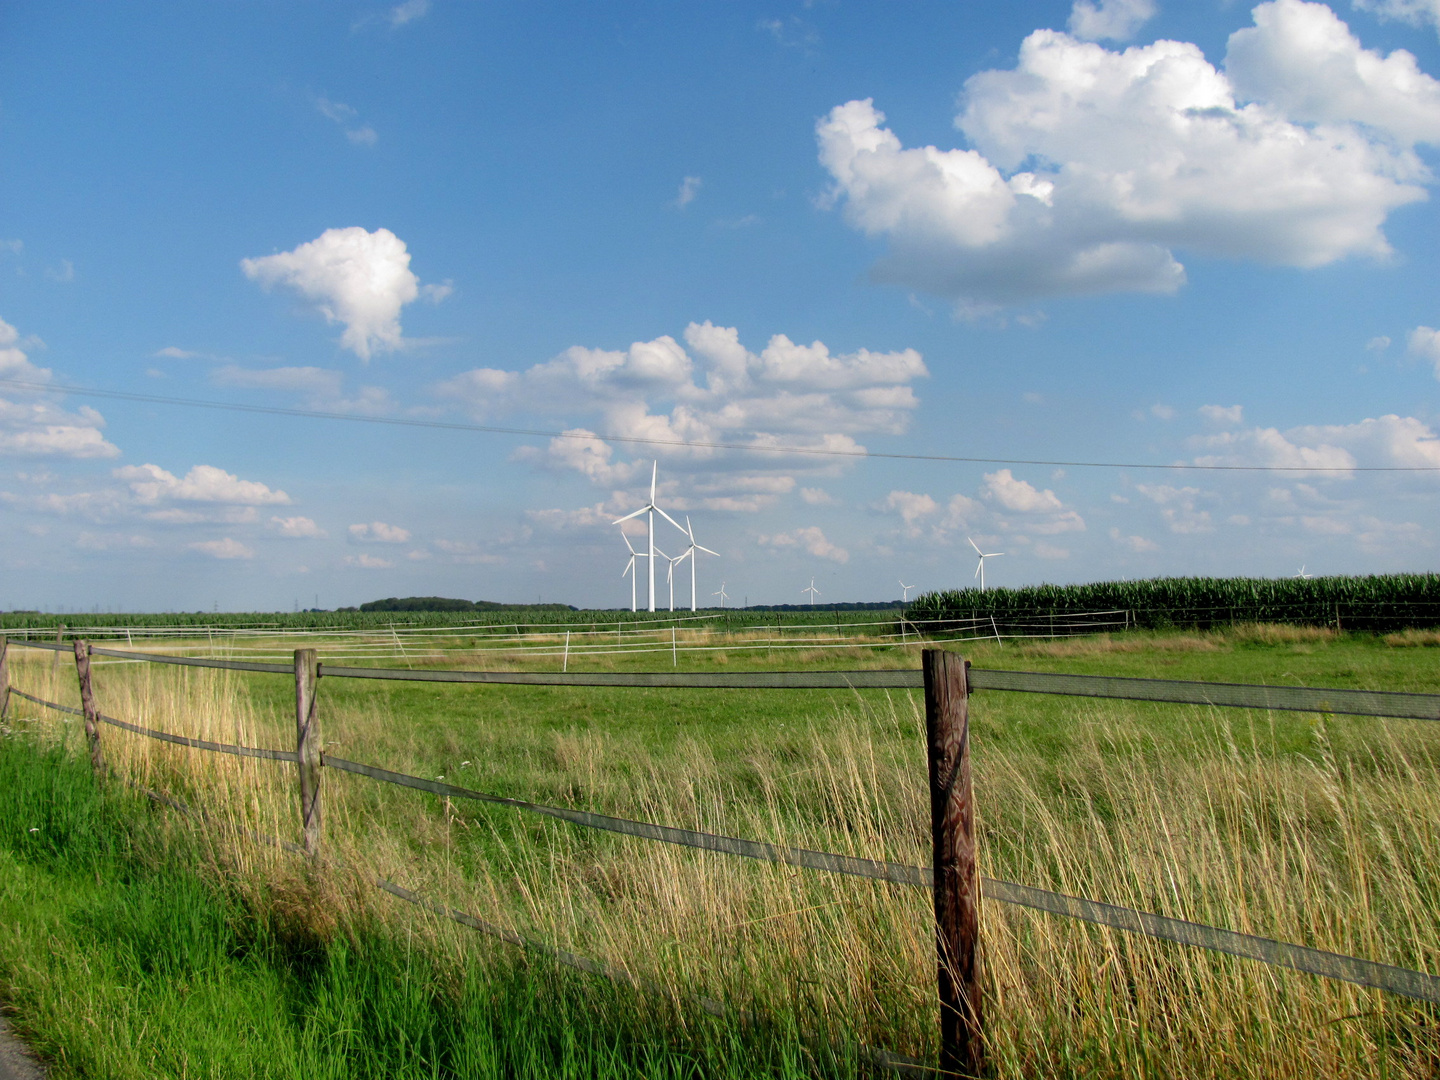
x,y
1318,830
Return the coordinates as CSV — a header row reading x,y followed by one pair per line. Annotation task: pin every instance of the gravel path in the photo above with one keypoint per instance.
x,y
15,1061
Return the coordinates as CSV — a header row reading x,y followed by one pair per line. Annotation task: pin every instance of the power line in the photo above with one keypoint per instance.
x,y
754,448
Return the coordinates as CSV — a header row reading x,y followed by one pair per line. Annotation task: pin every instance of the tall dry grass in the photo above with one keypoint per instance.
x,y
1222,818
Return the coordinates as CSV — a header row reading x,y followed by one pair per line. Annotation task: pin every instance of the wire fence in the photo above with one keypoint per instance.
x,y
1417,985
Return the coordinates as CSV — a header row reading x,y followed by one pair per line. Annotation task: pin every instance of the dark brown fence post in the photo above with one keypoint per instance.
x,y
4,676
957,881
87,703
307,744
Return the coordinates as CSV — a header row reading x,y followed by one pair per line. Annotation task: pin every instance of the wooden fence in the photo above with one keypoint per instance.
x,y
953,878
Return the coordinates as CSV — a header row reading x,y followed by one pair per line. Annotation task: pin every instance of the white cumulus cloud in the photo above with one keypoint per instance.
x,y
379,533
357,278
1109,20
1088,168
151,484
297,527
1390,440
1424,342
810,540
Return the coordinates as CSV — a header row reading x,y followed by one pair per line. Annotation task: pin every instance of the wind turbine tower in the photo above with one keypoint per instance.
x,y
721,594
980,570
814,592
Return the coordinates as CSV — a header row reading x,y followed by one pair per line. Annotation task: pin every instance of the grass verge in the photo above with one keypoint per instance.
x,y
125,952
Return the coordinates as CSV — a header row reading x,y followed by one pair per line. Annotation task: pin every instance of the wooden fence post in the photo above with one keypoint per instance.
x,y
87,704
307,744
4,676
957,881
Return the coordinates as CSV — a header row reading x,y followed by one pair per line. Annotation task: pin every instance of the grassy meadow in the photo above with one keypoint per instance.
x,y
1312,829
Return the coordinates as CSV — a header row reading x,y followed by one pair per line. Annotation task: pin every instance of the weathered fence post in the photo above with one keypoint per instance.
x,y
87,704
4,676
307,744
957,880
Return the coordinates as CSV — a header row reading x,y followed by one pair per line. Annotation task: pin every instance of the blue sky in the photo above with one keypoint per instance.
x,y
1118,231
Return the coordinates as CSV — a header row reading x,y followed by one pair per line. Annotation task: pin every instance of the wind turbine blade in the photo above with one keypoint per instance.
x,y
975,546
978,565
668,518
628,544
702,547
654,472
627,517
689,531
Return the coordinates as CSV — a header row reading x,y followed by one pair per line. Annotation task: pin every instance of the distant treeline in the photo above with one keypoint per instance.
x,y
1378,603
441,603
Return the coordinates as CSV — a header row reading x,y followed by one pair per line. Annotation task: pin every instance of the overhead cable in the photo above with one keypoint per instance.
x,y
688,444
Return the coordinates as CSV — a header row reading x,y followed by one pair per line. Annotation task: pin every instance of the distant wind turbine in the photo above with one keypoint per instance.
x,y
630,568
720,594
1302,574
814,592
905,596
690,554
650,510
980,570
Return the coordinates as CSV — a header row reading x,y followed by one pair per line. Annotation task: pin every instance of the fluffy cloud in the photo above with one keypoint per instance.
x,y
1227,415
1425,342
151,484
1088,167
223,549
911,507
379,533
297,527
38,427
1414,12
710,389
1109,20
1041,510
357,278
810,539
1380,441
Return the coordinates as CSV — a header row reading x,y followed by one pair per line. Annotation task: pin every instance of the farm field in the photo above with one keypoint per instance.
x,y
1310,829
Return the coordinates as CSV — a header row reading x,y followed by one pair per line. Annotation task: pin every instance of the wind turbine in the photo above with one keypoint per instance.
x,y
721,594
669,574
980,570
690,554
650,509
1302,573
630,568
905,596
814,592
